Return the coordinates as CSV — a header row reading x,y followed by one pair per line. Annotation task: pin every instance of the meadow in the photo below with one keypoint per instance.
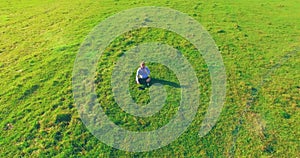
x,y
259,43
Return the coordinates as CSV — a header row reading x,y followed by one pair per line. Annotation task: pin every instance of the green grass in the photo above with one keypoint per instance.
x,y
38,46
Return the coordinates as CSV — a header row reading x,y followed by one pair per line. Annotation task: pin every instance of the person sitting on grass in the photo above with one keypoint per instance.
x,y
143,74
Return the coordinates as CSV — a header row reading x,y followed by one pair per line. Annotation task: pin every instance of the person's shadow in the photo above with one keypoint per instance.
x,y
164,82
160,81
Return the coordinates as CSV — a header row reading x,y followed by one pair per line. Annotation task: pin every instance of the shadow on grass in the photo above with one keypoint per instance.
x,y
165,82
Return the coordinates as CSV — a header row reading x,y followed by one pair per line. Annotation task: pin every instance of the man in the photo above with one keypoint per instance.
x,y
143,74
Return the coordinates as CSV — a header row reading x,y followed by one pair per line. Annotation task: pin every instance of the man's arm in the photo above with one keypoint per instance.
x,y
137,76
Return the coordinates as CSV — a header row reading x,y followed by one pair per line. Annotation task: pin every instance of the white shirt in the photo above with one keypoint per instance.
x,y
142,73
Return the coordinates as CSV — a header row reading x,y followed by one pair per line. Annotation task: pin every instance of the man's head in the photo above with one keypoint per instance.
x,y
142,64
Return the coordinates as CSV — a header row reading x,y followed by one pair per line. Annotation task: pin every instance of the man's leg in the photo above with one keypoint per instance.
x,y
142,83
148,80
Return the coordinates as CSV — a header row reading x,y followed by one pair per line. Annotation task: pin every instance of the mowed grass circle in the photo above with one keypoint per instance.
x,y
157,17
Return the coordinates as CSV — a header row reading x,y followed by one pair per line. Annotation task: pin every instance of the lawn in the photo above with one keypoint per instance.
x,y
259,44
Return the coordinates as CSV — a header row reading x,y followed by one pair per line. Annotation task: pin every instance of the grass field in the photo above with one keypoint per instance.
x,y
259,43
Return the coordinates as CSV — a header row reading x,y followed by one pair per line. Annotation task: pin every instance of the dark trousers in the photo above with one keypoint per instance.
x,y
143,80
